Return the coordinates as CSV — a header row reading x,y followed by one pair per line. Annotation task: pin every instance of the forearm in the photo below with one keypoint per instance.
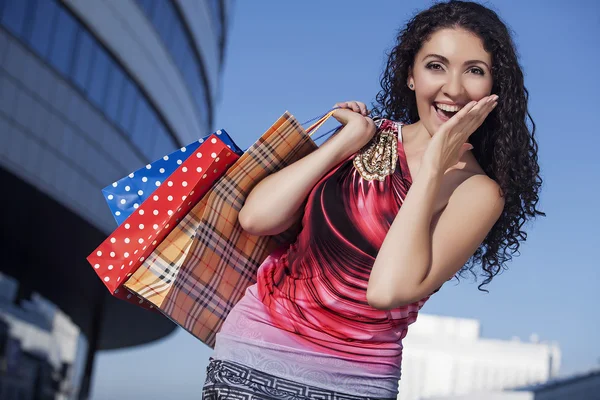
x,y
404,259
274,203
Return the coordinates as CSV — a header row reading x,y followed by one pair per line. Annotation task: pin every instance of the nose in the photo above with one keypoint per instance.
x,y
453,87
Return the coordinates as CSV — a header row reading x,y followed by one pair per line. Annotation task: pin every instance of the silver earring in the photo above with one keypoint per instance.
x,y
410,86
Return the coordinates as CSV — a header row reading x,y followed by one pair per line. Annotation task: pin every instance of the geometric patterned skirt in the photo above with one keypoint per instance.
x,y
228,380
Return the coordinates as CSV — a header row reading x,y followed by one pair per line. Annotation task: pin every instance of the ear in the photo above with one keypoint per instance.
x,y
410,81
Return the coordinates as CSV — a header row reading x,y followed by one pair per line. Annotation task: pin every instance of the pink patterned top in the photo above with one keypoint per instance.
x,y
307,318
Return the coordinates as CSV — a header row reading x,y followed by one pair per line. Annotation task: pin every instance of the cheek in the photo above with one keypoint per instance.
x,y
427,85
478,88
427,91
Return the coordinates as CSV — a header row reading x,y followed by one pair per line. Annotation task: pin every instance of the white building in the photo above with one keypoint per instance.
x,y
42,330
446,356
578,387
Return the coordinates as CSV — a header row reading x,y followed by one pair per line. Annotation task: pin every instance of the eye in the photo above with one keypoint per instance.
x,y
477,70
434,66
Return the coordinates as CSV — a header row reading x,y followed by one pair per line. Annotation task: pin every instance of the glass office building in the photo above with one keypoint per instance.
x,y
89,91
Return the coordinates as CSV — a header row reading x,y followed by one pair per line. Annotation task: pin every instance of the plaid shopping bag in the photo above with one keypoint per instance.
x,y
124,250
201,270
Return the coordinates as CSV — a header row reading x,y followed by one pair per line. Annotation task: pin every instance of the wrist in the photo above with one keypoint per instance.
x,y
430,173
351,137
335,150
339,147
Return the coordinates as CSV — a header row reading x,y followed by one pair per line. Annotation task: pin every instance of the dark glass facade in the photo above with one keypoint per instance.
x,y
56,36
167,21
76,113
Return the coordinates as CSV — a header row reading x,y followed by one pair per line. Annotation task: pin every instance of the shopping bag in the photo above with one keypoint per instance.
x,y
202,268
128,193
128,246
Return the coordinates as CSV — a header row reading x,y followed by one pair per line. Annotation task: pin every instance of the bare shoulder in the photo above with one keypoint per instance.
x,y
474,187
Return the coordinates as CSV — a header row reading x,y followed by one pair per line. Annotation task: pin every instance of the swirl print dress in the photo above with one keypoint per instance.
x,y
305,329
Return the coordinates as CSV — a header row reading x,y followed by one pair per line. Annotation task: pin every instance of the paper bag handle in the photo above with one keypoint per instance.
x,y
314,127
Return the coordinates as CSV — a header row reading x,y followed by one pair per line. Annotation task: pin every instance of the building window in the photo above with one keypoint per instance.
x,y
14,16
41,30
99,72
84,52
167,22
114,87
65,44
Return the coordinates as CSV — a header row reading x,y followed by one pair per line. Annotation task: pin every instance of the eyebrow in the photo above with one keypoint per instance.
x,y
444,59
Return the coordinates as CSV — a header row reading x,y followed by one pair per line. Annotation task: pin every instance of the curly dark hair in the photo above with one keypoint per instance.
x,y
504,145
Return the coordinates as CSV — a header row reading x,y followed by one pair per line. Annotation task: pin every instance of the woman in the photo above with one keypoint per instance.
x,y
391,208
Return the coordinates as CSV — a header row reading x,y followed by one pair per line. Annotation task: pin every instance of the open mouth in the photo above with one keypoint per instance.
x,y
445,111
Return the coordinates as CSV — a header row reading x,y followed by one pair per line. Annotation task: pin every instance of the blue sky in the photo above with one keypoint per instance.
x,y
304,56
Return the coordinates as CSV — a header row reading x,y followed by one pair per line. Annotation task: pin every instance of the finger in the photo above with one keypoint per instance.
x,y
478,116
342,111
354,106
487,105
484,104
363,108
458,119
464,148
463,112
480,106
341,115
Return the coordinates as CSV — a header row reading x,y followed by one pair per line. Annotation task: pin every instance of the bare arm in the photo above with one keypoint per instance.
x,y
275,202
422,251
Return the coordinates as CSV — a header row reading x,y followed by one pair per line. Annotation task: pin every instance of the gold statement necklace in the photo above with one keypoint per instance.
x,y
378,158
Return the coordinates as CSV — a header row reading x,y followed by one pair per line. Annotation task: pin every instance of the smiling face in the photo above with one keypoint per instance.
x,y
451,69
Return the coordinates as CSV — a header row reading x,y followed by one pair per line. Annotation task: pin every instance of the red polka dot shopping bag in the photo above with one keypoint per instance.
x,y
125,195
202,268
149,222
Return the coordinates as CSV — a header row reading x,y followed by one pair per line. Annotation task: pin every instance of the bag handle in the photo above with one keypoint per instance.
x,y
314,127
321,120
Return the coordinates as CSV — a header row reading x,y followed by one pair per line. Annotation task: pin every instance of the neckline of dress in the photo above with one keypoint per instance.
x,y
402,159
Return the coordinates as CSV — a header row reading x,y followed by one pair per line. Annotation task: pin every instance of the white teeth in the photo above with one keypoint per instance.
x,y
447,107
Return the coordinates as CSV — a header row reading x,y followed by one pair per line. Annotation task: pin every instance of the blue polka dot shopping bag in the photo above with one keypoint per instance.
x,y
127,194
149,203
